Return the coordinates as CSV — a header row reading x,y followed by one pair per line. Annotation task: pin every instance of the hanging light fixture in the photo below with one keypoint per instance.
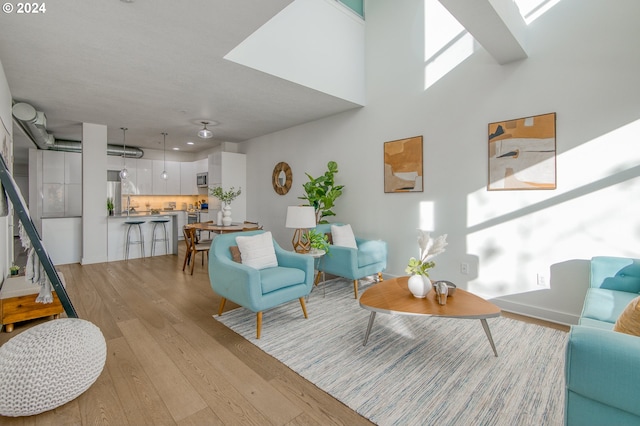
x,y
124,173
164,175
205,133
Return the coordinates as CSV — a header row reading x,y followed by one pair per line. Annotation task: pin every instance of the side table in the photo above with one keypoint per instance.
x,y
317,258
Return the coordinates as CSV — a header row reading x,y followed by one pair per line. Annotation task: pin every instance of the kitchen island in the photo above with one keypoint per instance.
x,y
117,233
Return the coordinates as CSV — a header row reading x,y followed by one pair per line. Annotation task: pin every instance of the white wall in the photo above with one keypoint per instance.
x,y
583,64
94,193
315,43
6,126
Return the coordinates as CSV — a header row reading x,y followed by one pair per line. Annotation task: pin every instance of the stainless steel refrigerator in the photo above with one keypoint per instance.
x,y
114,190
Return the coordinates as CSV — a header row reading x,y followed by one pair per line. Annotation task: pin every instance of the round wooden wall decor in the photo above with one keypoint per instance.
x,y
282,178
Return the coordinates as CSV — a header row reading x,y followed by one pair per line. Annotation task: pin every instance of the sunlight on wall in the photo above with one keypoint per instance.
x,y
520,234
446,42
533,9
426,216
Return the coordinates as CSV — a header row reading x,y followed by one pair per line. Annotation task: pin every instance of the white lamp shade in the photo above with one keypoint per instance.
x,y
300,217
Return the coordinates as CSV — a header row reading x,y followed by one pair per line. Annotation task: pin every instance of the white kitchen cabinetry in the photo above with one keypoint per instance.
x,y
188,184
173,183
202,166
72,168
144,176
114,162
170,186
53,167
182,221
130,184
61,184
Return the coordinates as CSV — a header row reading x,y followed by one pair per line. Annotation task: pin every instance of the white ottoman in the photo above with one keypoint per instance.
x,y
49,365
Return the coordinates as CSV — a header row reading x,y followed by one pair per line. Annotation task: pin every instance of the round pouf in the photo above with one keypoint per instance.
x,y
49,365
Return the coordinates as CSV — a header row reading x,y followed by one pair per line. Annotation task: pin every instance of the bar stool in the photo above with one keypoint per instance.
x,y
163,236
128,241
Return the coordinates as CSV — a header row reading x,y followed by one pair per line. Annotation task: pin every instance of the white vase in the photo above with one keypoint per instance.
x,y
226,215
419,285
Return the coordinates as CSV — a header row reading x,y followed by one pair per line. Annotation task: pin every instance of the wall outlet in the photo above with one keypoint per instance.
x,y
464,268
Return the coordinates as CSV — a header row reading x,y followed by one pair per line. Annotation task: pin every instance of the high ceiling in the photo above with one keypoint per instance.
x,y
151,66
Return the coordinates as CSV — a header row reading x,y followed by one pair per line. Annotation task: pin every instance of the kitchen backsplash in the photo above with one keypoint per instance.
x,y
148,202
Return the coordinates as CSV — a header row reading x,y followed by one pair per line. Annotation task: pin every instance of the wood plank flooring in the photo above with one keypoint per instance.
x,y
170,363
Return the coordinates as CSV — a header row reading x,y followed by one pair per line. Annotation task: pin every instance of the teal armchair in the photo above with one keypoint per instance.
x,y
370,258
258,290
602,367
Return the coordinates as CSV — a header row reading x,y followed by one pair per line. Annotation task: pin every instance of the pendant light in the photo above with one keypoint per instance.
x,y
205,133
164,175
124,173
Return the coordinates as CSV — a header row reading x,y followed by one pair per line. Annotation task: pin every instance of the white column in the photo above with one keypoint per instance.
x,y
94,193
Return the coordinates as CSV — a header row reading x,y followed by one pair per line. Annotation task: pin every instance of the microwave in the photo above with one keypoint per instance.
x,y
202,180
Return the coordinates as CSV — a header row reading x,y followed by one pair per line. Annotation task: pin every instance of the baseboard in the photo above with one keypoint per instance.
x,y
88,261
536,312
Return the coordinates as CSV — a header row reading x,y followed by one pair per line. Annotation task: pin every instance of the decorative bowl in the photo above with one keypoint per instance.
x,y
451,287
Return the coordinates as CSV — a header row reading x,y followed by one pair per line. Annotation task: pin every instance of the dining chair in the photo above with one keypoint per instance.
x,y
193,248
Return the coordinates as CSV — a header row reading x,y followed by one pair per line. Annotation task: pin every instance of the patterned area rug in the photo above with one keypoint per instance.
x,y
415,370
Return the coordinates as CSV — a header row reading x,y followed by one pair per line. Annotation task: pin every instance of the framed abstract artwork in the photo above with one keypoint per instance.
x,y
522,153
403,165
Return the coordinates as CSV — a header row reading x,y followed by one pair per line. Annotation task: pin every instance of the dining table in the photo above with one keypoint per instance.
x,y
218,229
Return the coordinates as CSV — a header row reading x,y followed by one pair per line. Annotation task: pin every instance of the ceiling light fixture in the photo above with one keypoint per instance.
x,y
124,173
205,133
164,175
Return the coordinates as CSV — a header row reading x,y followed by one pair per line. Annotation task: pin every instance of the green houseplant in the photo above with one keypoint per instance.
x,y
225,196
14,269
317,240
110,205
322,192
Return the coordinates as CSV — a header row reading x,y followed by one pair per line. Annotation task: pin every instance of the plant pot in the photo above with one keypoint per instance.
x,y
419,286
226,215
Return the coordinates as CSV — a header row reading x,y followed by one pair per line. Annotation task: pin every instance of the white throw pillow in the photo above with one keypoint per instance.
x,y
342,235
257,251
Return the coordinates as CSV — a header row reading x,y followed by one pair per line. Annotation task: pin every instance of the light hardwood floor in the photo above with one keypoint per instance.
x,y
170,363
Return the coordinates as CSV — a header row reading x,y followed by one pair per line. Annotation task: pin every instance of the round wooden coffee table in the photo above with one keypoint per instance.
x,y
393,297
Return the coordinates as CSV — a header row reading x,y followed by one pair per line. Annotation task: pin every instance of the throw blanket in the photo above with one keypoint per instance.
x,y
34,271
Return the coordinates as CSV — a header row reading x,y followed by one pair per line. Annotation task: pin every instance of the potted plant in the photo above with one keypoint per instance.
x,y
419,282
14,269
110,205
322,192
226,197
317,241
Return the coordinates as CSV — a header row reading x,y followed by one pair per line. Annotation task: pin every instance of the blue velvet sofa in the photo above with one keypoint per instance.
x,y
602,367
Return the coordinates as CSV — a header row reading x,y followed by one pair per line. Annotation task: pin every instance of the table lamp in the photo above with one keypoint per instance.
x,y
300,218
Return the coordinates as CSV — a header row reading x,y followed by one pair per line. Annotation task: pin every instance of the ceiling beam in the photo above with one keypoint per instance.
x,y
496,24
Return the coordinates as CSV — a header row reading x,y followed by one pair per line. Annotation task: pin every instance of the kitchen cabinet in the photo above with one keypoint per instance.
x,y
60,182
173,183
144,176
130,184
53,167
188,182
72,168
114,162
182,221
170,186
202,166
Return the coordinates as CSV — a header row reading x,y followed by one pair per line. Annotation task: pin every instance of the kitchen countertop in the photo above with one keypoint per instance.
x,y
145,214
